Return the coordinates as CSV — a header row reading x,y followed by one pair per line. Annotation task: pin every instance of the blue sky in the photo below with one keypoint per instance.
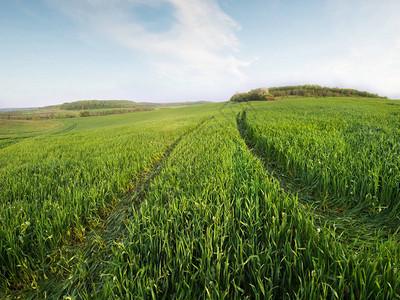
x,y
55,51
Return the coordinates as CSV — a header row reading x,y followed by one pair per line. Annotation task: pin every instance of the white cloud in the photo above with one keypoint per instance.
x,y
200,45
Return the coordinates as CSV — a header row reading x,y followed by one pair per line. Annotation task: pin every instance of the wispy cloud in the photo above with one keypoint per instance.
x,y
200,44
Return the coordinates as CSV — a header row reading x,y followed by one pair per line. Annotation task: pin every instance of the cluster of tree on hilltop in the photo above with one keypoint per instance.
x,y
318,91
265,94
261,94
96,104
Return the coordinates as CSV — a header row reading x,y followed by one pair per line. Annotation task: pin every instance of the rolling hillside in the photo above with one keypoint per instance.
x,y
296,198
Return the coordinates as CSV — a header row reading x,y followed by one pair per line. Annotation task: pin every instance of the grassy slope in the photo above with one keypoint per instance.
x,y
12,131
55,183
58,110
200,217
15,127
345,148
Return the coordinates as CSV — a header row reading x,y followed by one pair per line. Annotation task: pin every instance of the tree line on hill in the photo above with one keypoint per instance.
x,y
264,94
319,91
98,104
87,113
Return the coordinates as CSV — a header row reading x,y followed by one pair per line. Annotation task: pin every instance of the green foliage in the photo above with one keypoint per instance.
x,y
97,104
265,94
84,113
261,94
318,91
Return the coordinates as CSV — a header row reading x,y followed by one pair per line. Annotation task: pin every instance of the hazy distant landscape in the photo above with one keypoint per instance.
x,y
16,109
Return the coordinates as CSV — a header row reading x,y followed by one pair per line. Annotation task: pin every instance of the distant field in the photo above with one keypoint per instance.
x,y
296,198
57,113
87,108
13,127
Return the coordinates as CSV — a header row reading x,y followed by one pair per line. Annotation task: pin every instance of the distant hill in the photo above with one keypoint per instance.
x,y
98,104
16,109
260,94
300,91
85,108
186,103
318,91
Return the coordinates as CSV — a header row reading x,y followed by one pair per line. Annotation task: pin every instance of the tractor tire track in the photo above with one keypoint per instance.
x,y
73,126
10,141
14,140
143,183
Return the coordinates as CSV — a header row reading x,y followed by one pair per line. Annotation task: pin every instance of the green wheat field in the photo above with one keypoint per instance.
x,y
291,199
